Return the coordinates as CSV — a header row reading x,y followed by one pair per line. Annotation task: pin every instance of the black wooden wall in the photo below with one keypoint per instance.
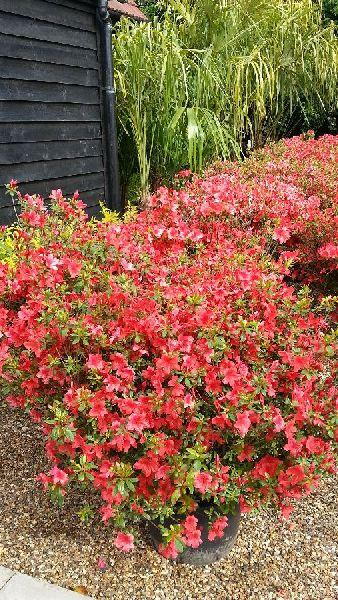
x,y
50,110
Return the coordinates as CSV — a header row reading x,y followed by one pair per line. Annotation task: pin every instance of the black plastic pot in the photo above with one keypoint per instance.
x,y
208,552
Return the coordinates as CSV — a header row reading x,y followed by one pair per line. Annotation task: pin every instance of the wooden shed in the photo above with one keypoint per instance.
x,y
57,102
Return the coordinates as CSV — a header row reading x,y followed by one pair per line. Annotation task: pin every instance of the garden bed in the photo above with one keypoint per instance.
x,y
271,560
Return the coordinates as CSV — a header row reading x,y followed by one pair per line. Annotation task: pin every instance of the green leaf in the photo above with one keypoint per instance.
x,y
175,496
179,545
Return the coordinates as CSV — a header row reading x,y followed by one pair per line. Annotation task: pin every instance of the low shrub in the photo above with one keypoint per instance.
x,y
287,195
167,359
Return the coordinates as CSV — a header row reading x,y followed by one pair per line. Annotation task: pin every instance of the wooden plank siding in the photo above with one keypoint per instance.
x,y
50,101
39,50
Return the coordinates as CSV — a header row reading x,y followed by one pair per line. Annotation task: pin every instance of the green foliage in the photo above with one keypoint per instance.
x,y
213,79
152,8
330,10
8,246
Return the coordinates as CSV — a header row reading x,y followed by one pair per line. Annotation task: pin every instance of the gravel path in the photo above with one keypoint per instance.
x,y
271,560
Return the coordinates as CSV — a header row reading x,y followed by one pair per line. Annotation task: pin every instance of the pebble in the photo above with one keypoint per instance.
x,y
270,561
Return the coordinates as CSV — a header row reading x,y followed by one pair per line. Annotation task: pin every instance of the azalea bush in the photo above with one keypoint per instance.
x,y
287,195
168,360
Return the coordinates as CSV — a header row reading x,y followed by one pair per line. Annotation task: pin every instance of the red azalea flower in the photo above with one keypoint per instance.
x,y
137,422
243,423
169,550
58,475
95,361
124,541
102,565
192,538
282,234
286,509
217,528
203,482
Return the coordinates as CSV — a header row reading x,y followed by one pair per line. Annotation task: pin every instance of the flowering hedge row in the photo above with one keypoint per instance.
x,y
287,194
169,360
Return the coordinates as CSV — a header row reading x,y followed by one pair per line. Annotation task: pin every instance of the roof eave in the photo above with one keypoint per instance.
x,y
126,9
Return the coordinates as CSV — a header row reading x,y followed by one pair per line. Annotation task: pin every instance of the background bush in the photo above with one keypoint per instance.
x,y
152,8
211,80
330,10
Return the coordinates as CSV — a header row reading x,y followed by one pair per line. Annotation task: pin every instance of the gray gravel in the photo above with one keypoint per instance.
x,y
271,560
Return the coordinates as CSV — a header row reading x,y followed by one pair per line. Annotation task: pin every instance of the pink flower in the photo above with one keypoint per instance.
x,y
281,234
189,401
203,482
230,373
315,445
300,362
243,423
183,174
266,467
95,361
192,534
192,538
329,250
278,421
246,453
58,475
294,446
74,267
137,422
217,528
167,363
168,550
106,512
34,219
246,278
124,541
158,230
102,565
45,480
98,409
128,266
52,262
56,194
286,510
190,523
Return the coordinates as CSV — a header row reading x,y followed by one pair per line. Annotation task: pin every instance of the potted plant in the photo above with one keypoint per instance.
x,y
170,366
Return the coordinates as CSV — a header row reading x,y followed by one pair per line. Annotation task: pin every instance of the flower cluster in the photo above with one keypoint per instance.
x,y
169,360
286,193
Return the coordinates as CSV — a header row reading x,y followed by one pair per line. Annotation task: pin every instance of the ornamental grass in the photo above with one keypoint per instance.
x,y
215,79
